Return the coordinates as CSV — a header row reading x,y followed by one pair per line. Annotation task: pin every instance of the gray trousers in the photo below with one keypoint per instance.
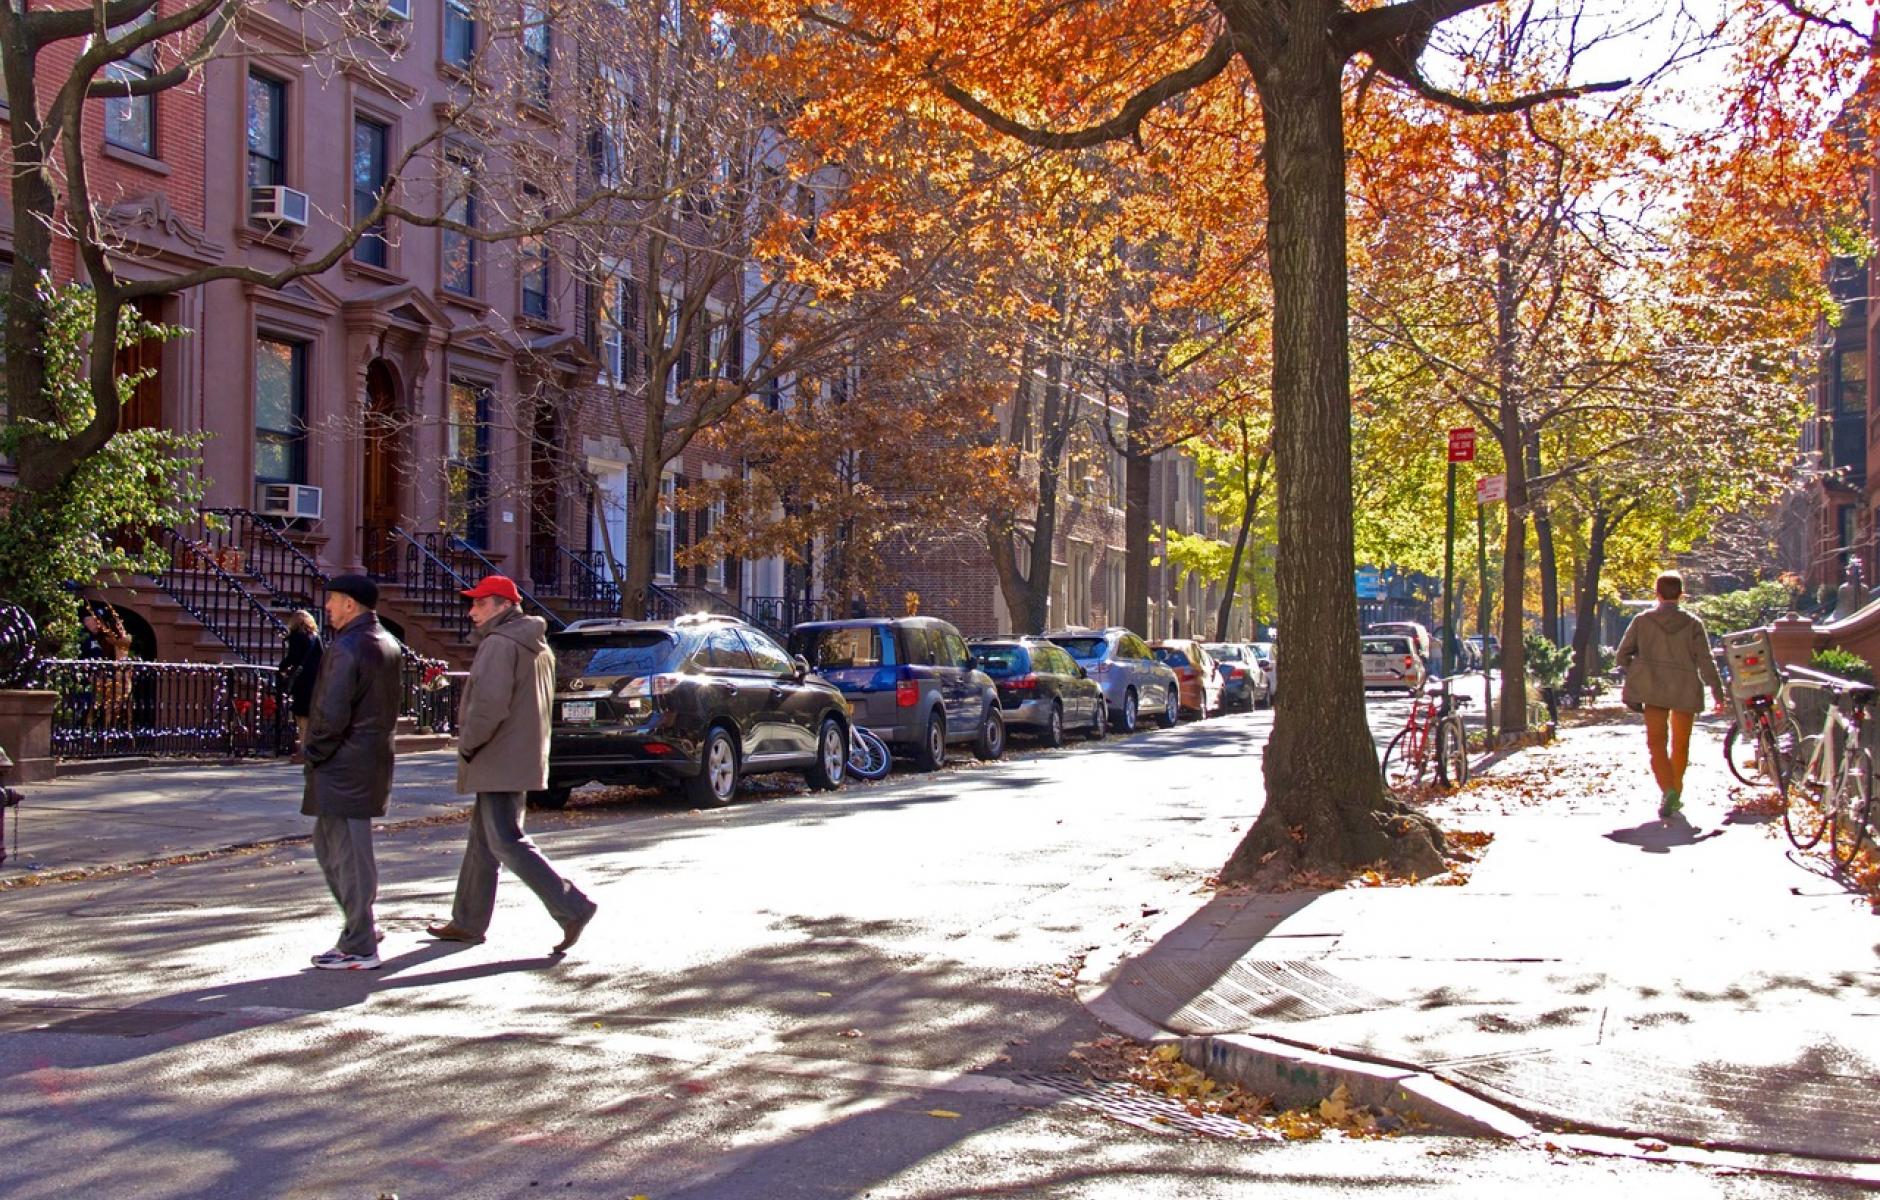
x,y
497,840
344,847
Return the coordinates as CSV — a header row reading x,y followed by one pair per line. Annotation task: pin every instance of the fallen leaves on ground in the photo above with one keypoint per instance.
x,y
1160,1069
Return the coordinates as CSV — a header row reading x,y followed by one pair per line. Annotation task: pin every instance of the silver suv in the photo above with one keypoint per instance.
x,y
1133,682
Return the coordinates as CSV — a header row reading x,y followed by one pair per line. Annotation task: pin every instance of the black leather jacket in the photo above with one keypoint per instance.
x,y
351,720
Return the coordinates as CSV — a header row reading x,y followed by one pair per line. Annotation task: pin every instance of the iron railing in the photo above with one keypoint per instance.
x,y
432,693
126,708
434,578
781,614
291,578
465,551
200,579
592,590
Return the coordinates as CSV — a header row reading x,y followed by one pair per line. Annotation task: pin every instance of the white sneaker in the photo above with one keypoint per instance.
x,y
335,961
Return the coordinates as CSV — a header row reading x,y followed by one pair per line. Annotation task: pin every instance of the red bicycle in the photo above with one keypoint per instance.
x,y
1431,745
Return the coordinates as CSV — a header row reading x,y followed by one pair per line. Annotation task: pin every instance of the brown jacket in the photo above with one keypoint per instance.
x,y
502,722
1665,655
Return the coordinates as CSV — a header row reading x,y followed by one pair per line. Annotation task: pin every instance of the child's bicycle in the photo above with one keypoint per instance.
x,y
1432,745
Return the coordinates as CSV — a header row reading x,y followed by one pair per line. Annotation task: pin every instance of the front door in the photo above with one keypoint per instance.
x,y
384,469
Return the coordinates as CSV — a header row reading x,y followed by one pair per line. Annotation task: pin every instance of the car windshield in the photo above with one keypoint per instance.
x,y
1083,649
1222,650
999,660
1170,656
842,646
1385,646
615,655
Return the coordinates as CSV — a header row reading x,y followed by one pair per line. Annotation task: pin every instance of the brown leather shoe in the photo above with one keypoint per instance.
x,y
571,931
451,933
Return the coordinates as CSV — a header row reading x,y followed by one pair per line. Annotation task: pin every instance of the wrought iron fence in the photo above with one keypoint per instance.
x,y
117,708
200,579
432,693
780,614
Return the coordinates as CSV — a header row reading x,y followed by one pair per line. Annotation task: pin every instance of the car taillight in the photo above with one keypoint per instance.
x,y
1100,670
1409,664
906,694
1184,672
1023,683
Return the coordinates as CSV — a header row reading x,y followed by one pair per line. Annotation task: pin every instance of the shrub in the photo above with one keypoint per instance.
x,y
1844,663
1546,662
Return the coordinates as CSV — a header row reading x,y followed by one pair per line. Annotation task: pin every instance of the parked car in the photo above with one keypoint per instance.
x,y
699,701
1391,661
911,681
1133,682
1242,674
1418,635
1486,653
1041,687
1199,682
1268,653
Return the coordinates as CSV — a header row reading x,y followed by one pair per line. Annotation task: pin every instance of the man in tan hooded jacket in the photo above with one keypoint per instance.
x,y
1665,655
502,751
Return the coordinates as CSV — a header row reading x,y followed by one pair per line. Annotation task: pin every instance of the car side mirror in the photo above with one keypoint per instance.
x,y
1082,674
802,666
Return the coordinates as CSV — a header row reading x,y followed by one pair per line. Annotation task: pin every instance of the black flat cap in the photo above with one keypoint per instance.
x,y
358,587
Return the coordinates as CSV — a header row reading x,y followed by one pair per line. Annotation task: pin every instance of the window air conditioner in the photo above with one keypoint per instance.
x,y
288,500
281,205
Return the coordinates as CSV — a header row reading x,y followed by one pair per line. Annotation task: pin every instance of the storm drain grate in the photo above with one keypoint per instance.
x,y
98,1022
1140,1107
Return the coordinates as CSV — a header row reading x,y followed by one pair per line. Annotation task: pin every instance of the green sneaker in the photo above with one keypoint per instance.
x,y
1670,807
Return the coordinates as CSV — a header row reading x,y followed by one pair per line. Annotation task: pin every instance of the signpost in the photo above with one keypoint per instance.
x,y
1461,450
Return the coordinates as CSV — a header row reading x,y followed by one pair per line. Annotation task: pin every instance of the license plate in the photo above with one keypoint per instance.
x,y
577,710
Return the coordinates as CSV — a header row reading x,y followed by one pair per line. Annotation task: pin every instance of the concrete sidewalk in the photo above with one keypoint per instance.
x,y
85,822
1602,971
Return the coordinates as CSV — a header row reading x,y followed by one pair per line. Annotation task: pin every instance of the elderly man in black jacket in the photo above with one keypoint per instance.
x,y
348,748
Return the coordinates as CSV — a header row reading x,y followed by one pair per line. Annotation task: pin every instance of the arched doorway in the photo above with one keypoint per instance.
x,y
384,443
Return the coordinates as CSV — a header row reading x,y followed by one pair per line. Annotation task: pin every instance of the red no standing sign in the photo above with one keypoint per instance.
x,y
1462,445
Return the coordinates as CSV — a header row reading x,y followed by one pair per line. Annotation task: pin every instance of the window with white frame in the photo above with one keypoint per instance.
x,y
663,527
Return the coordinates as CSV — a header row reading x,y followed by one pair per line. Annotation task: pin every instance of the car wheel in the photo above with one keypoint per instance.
x,y
832,757
1054,728
1172,711
554,797
990,743
717,780
1100,720
931,753
1128,720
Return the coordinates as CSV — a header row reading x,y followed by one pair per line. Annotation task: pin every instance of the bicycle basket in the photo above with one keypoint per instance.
x,y
1752,664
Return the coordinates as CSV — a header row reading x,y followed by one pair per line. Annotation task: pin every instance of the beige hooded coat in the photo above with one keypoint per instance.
x,y
502,721
1665,655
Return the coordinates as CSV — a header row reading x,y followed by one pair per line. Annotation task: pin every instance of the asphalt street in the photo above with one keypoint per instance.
x,y
857,994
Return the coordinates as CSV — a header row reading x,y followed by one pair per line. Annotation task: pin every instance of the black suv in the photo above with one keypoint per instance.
x,y
698,701
910,680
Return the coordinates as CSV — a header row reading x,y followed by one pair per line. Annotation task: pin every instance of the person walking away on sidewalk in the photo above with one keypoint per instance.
x,y
352,716
1665,655
502,755
298,669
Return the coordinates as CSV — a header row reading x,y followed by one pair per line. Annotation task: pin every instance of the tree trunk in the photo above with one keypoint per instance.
x,y
43,463
1136,510
1326,807
1544,547
1250,492
1054,435
642,521
1586,605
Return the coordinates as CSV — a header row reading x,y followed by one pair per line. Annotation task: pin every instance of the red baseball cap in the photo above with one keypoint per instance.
x,y
500,586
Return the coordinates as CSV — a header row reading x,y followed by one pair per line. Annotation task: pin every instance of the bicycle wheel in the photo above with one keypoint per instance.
x,y
1853,800
1804,793
1742,757
1405,760
868,755
1452,754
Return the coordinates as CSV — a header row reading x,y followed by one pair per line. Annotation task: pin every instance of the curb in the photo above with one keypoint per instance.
x,y
1294,1077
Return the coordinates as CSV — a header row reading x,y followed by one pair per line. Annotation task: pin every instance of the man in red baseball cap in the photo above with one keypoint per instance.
x,y
502,750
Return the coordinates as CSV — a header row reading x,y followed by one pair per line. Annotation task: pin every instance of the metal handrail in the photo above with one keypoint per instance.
x,y
592,593
442,601
306,574
529,601
227,613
